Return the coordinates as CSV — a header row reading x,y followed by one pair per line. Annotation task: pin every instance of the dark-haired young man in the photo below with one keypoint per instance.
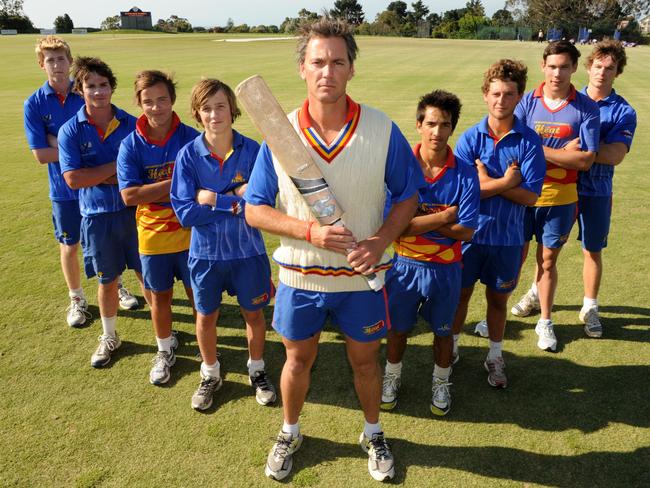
x,y
88,147
510,164
617,126
361,153
426,275
569,124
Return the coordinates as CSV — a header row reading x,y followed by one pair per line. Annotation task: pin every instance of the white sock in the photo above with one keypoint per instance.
x,y
108,324
441,373
394,368
213,371
119,281
370,429
456,339
76,292
495,350
545,321
533,290
293,429
255,365
165,344
588,303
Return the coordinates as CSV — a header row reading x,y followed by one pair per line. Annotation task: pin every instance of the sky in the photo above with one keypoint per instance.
x,y
208,13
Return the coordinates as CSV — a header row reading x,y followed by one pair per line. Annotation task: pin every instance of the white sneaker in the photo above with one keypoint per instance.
x,y
381,465
481,329
440,397
547,340
280,460
389,391
78,312
527,305
593,327
102,355
127,300
161,364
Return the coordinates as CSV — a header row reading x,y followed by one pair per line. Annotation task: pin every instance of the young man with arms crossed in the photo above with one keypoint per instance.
x,y
510,163
617,126
88,147
427,270
145,164
361,153
226,254
569,124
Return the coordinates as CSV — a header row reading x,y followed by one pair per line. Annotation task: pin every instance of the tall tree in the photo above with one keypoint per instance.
x,y
63,24
502,18
12,8
399,8
420,11
349,10
475,7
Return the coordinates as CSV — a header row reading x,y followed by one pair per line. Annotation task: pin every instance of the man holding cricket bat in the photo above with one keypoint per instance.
x,y
360,153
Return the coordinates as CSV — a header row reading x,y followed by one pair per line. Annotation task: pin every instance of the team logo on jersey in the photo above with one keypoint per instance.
x,y
564,238
506,285
444,327
160,172
238,178
374,328
263,298
47,118
553,130
100,274
236,208
86,146
627,133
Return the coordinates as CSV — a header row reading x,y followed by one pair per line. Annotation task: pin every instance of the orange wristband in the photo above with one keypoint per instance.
x,y
308,233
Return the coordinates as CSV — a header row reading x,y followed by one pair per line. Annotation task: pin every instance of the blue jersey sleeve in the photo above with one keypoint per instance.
x,y
262,186
590,128
464,151
69,151
129,166
623,130
533,165
521,110
403,176
183,196
468,205
34,127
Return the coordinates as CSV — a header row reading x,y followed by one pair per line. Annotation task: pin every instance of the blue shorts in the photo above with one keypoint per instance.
x,y
430,288
594,215
301,314
160,270
550,225
66,219
110,244
248,278
496,266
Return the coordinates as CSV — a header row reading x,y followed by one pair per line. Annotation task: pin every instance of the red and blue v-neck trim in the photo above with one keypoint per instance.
x,y
329,151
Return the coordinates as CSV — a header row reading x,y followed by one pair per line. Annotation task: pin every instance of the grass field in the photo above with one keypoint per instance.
x,y
577,418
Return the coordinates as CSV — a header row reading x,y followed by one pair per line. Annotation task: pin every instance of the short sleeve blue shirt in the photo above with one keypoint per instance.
x,y
617,124
80,146
44,114
501,221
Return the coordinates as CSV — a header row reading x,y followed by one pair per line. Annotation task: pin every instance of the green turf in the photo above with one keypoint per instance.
x,y
578,418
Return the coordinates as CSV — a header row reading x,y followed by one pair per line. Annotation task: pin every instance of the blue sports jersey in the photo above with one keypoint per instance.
x,y
219,233
44,113
617,124
142,161
501,221
403,176
81,146
455,185
577,117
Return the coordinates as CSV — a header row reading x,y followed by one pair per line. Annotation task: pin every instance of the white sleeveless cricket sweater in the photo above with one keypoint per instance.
x,y
355,174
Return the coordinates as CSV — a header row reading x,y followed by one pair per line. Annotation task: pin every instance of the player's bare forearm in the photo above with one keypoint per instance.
x,y
612,154
521,196
457,231
87,177
580,160
46,155
490,187
153,192
493,186
369,252
426,223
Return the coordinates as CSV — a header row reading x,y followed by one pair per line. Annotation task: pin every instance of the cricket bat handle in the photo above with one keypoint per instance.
x,y
375,282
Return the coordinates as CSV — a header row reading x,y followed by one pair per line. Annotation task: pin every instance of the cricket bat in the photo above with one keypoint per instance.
x,y
285,144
